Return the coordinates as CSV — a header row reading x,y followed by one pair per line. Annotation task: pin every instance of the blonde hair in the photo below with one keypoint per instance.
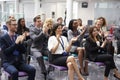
x,y
47,22
96,21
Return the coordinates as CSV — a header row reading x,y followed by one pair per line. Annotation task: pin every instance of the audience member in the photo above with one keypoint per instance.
x,y
76,47
59,47
64,28
48,24
13,49
96,51
103,23
39,44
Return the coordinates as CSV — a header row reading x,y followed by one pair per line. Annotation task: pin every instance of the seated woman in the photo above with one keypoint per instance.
x,y
93,50
59,47
76,47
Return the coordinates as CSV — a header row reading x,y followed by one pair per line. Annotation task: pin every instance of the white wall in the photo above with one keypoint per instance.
x,y
28,12
86,13
58,8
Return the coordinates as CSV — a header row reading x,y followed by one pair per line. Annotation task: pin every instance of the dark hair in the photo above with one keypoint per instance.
x,y
59,18
55,26
20,28
91,29
71,24
35,18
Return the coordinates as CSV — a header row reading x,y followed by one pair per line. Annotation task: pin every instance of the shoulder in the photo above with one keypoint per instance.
x,y
89,39
70,31
63,37
4,36
52,37
32,28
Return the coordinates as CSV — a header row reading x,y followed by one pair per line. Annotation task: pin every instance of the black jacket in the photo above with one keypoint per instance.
x,y
92,50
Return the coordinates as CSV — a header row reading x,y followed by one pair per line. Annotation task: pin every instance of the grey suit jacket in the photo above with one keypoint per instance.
x,y
39,39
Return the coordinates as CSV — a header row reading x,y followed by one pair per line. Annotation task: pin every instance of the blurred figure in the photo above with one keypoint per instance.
x,y
2,31
103,23
21,28
5,26
80,26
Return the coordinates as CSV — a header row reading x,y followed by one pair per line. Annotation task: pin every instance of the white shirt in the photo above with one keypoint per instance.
x,y
53,41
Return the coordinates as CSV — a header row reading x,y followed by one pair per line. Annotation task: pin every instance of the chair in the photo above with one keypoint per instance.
x,y
53,67
20,74
56,67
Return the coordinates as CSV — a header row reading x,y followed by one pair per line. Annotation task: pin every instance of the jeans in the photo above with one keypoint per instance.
x,y
14,69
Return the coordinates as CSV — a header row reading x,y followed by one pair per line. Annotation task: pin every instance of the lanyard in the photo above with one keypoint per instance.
x,y
62,43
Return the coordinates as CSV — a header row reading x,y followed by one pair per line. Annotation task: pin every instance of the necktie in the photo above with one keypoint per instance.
x,y
13,38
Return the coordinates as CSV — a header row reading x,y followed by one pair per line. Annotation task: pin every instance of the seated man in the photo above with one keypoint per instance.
x,y
39,45
12,48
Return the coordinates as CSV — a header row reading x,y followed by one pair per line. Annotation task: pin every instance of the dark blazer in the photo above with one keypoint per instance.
x,y
40,39
91,49
8,49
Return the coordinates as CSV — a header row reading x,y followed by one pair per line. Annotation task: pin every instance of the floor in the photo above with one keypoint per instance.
x,y
95,72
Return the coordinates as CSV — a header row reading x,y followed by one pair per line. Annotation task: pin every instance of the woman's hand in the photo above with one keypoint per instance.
x,y
74,39
104,43
20,39
45,30
58,37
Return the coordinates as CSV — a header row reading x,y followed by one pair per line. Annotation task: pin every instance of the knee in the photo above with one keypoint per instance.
x,y
71,58
32,70
108,63
14,73
70,66
110,57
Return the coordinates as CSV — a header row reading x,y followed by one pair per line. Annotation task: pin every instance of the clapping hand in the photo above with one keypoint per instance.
x,y
58,36
74,39
45,29
20,39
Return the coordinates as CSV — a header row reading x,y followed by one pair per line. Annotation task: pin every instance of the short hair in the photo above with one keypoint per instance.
x,y
35,18
59,18
10,20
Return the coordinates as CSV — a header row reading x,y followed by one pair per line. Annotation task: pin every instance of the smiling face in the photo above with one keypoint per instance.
x,y
98,24
59,30
94,32
75,24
